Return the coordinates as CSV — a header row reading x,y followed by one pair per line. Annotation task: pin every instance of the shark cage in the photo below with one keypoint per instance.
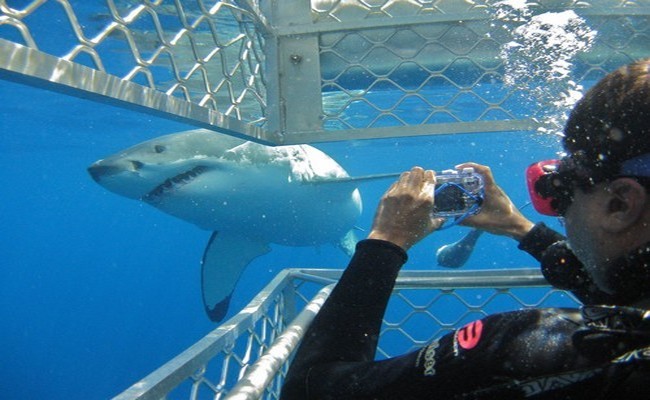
x,y
255,69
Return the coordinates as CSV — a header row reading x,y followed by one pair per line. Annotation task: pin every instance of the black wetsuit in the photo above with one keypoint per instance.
x,y
537,354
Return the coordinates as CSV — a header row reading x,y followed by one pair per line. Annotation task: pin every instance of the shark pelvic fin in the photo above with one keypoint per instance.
x,y
224,260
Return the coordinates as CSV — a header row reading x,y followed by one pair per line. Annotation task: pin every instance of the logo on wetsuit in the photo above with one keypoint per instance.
x,y
429,362
468,336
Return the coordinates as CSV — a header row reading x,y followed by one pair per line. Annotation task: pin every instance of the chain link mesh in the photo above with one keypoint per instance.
x,y
420,310
454,68
205,52
463,66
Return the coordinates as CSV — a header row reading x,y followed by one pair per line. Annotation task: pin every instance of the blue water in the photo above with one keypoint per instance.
x,y
99,290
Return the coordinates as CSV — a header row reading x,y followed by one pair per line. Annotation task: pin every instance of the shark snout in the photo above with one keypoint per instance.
x,y
101,169
98,171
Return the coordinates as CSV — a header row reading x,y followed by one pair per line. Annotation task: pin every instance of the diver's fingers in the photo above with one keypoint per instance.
x,y
436,223
483,170
417,181
403,177
415,176
429,183
410,178
429,176
422,183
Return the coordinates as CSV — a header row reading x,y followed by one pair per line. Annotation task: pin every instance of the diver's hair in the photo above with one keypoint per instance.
x,y
611,123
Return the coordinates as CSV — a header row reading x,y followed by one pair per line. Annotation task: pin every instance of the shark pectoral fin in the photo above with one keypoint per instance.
x,y
224,260
348,243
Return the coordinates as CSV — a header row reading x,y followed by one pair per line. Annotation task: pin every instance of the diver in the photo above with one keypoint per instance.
x,y
600,351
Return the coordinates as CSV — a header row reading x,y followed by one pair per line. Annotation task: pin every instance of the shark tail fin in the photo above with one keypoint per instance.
x,y
455,255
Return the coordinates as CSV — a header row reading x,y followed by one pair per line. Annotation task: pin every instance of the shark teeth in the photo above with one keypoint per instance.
x,y
173,183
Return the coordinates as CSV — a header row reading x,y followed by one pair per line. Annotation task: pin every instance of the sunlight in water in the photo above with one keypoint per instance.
x,y
540,57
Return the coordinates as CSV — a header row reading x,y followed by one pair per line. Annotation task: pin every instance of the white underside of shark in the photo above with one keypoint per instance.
x,y
249,195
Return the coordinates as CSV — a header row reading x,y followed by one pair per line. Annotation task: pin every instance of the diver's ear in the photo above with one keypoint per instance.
x,y
625,205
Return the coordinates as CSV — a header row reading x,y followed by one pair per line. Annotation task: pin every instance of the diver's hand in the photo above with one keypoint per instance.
x,y
498,214
403,216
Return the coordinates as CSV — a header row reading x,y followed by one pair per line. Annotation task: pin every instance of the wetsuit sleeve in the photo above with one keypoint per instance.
x,y
559,265
347,327
538,240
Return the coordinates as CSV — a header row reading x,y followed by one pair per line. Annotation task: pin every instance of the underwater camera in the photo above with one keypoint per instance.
x,y
458,193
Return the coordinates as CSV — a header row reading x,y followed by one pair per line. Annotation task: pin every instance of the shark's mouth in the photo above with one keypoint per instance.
x,y
172,184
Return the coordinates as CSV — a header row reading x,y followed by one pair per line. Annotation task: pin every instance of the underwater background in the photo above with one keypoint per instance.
x,y
97,291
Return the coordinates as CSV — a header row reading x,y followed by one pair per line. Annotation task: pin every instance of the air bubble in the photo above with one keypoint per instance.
x,y
616,134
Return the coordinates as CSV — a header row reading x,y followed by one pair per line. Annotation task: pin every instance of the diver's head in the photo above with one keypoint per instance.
x,y
603,184
606,137
610,124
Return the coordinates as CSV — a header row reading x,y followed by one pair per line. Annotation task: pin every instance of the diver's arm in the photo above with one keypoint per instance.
x,y
347,327
538,239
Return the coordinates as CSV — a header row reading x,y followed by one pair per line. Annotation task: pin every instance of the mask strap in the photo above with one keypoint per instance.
x,y
637,166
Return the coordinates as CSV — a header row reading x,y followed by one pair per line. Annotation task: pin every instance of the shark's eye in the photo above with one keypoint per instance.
x,y
158,148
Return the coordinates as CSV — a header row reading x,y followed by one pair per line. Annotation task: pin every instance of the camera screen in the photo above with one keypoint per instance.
x,y
451,198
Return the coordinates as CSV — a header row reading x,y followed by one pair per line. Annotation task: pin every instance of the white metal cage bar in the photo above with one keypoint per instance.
x,y
200,62
423,301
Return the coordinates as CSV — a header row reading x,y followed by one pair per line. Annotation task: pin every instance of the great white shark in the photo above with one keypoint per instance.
x,y
249,195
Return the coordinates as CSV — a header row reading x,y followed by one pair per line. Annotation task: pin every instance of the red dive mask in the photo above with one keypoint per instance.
x,y
540,178
551,183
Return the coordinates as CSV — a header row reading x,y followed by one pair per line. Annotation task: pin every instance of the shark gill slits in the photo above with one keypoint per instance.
x,y
173,183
